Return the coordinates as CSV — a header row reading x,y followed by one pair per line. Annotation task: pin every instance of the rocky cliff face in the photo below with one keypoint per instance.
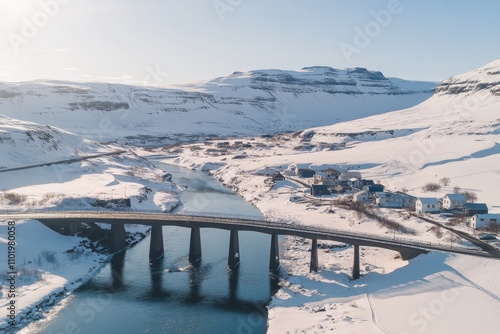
x,y
486,78
244,103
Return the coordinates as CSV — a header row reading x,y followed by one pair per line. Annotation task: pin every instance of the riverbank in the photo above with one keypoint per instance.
x,y
49,266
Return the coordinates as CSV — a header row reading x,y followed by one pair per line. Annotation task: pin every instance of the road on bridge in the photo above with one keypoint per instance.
x,y
235,223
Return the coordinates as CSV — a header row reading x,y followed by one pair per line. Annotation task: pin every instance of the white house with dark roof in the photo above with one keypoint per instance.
x,y
481,220
362,196
427,205
345,176
453,201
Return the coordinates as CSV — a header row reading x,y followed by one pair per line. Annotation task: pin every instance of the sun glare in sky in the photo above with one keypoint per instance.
x,y
124,40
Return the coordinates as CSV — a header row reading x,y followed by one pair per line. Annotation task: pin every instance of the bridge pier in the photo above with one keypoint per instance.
x,y
74,228
274,257
355,266
195,245
313,266
117,238
156,243
233,259
117,265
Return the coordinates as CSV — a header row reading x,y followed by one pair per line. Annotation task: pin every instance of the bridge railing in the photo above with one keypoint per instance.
x,y
244,221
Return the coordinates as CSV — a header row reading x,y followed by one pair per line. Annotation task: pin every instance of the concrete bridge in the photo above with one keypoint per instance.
x,y
72,220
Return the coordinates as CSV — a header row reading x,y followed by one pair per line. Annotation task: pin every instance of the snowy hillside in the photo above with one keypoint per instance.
x,y
247,103
67,171
455,133
25,143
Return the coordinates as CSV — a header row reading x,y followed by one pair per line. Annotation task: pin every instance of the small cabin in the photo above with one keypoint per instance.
x,y
362,196
427,205
453,201
374,188
306,172
319,190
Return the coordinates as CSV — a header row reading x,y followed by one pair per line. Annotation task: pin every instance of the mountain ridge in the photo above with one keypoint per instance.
x,y
243,103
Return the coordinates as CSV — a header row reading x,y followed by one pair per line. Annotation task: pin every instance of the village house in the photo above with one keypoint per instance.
x,y
471,209
354,182
306,172
453,201
426,205
326,180
345,176
388,200
374,188
408,200
394,200
319,190
332,173
340,188
362,196
482,220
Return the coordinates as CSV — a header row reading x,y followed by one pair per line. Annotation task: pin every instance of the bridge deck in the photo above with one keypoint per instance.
x,y
242,224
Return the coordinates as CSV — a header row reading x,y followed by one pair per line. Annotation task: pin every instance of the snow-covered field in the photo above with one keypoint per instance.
x,y
455,134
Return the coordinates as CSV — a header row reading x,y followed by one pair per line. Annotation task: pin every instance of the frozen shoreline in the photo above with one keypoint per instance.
x,y
56,272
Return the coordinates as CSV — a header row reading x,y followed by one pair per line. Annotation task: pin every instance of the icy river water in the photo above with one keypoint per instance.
x,y
130,296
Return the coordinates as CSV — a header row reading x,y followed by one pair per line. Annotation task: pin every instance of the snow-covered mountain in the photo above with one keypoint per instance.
x,y
467,104
248,103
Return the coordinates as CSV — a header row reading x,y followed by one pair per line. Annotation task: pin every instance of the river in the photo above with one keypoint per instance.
x,y
130,296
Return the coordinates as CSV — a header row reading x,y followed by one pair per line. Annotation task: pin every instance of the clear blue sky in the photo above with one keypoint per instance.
x,y
176,41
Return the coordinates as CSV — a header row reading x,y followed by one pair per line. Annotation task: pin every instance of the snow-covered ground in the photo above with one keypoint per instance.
x,y
49,265
454,134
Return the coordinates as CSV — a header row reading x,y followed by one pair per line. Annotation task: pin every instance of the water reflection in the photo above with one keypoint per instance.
x,y
195,279
234,275
117,266
156,269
